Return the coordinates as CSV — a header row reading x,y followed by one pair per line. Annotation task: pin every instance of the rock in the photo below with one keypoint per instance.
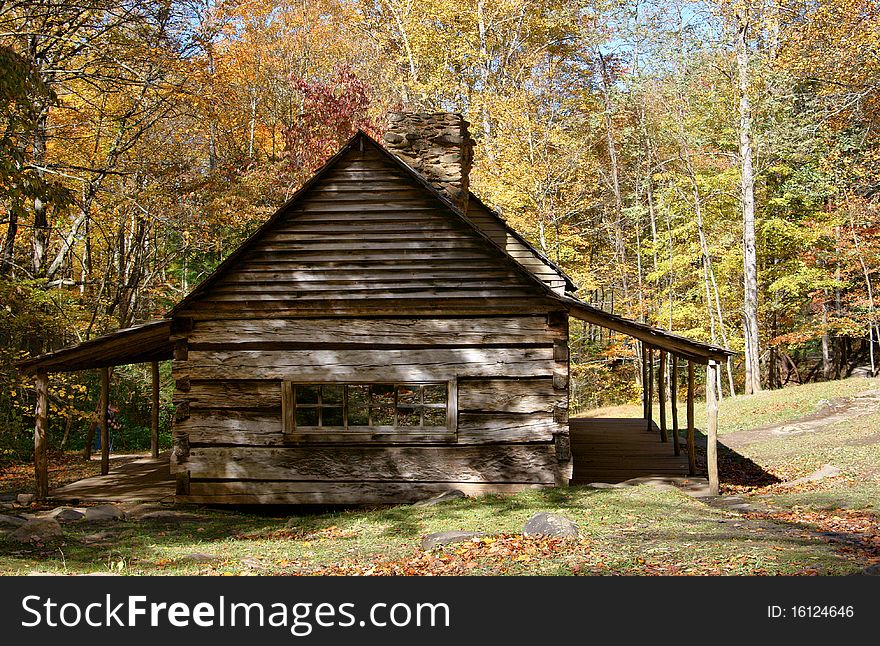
x,y
103,514
37,530
822,404
25,498
99,537
169,516
393,138
198,557
11,521
604,485
827,471
65,514
546,524
437,539
871,570
452,494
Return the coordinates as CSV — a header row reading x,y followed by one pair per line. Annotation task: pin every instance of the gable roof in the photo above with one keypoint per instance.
x,y
359,139
570,285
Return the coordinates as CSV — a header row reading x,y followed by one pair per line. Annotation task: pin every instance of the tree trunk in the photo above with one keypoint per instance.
x,y
747,184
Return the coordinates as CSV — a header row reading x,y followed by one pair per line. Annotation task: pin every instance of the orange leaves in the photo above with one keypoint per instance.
x,y
488,554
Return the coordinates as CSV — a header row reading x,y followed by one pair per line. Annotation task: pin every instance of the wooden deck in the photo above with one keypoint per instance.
x,y
613,450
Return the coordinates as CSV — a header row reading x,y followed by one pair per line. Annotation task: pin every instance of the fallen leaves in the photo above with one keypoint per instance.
x,y
851,532
493,554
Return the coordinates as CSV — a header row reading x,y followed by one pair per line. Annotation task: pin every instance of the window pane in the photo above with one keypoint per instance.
x,y
358,417
435,417
435,394
358,395
383,394
306,416
332,416
408,418
383,416
306,394
408,395
332,394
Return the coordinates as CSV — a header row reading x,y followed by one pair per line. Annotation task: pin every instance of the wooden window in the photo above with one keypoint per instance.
x,y
369,408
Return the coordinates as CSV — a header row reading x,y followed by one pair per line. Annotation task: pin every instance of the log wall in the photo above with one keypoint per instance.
x,y
510,422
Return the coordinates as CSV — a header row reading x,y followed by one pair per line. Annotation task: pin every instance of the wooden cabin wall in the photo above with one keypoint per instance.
x,y
512,399
369,277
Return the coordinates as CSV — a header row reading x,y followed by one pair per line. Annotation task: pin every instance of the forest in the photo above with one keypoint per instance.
x,y
706,166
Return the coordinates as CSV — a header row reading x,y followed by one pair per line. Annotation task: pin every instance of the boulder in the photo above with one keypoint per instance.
x,y
437,539
103,514
65,514
13,522
871,570
452,494
547,524
25,498
37,530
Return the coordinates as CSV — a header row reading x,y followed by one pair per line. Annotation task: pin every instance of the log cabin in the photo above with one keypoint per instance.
x,y
382,338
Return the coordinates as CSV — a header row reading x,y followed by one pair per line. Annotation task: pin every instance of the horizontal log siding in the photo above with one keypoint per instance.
x,y
489,224
508,408
368,240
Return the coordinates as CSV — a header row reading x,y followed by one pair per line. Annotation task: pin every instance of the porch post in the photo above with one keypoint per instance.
x,y
692,459
673,386
41,418
661,395
712,427
645,403
103,402
649,413
154,412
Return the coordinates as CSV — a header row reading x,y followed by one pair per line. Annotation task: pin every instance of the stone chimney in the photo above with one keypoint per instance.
x,y
436,144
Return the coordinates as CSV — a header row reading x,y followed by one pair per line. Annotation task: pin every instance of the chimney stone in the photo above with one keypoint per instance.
x,y
436,144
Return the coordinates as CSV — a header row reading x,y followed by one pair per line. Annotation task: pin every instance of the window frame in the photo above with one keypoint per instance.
x,y
293,433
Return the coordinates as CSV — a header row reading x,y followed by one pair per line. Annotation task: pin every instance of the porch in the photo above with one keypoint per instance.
x,y
613,450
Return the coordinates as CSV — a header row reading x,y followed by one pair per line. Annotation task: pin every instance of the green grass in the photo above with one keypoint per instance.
x,y
763,409
633,531
853,446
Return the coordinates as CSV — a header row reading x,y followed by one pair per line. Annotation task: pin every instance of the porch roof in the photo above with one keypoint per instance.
x,y
138,344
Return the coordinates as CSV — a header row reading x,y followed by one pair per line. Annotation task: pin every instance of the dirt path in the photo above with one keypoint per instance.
x,y
837,410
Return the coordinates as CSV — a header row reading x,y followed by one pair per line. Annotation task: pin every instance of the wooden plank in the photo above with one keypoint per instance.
x,y
509,395
673,389
479,428
391,307
692,458
335,493
404,331
650,395
712,427
534,463
154,411
367,365
237,394
41,425
261,428
426,288
103,403
661,396
645,402
363,299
